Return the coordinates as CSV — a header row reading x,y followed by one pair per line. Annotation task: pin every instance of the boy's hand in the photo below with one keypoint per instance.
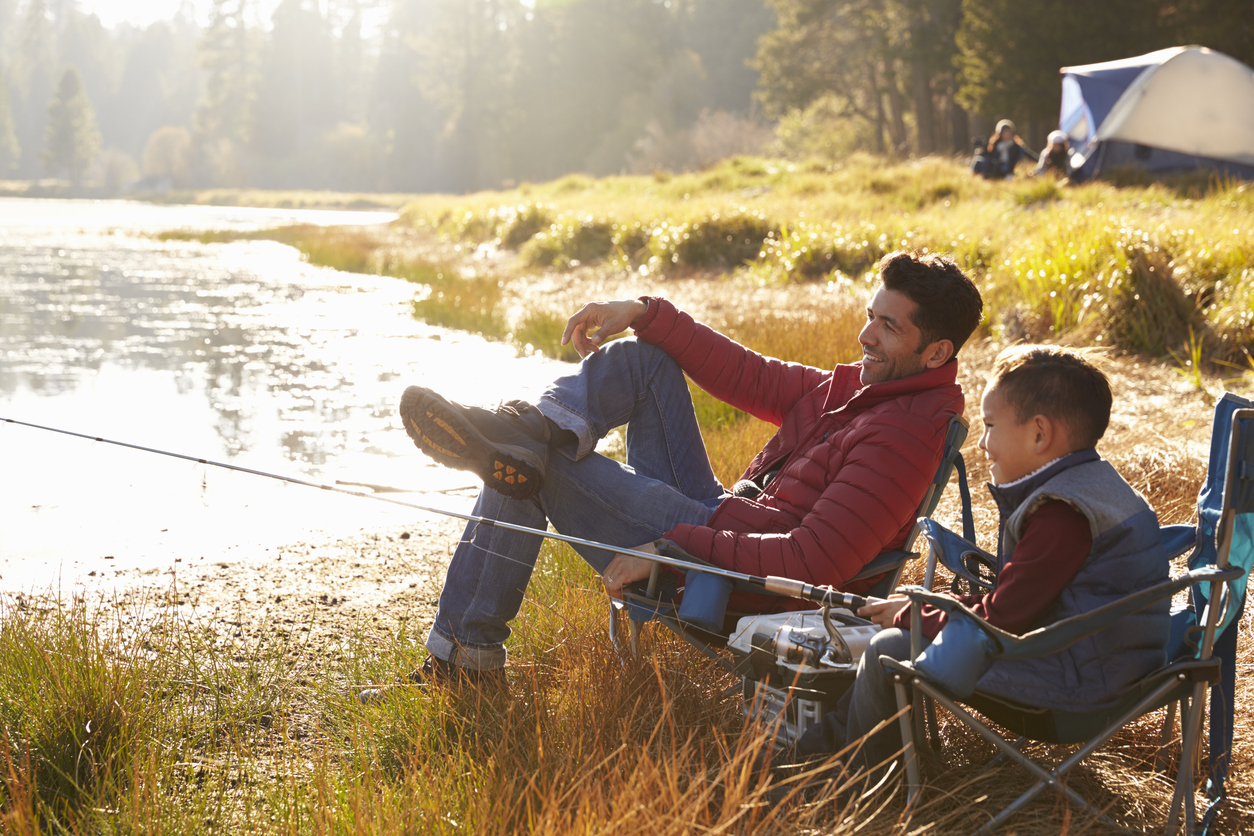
x,y
882,612
608,318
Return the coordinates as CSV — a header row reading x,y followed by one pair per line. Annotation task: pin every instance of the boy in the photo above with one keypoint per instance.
x,y
1072,536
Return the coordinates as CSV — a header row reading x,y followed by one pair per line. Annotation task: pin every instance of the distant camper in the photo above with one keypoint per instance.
x,y
997,158
1056,158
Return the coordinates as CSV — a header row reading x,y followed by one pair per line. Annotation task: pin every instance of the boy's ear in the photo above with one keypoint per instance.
x,y
1044,431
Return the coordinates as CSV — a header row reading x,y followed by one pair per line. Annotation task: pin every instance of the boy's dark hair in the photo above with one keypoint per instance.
x,y
1059,384
947,304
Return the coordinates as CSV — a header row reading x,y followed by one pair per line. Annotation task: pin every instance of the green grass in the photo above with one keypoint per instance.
x,y
296,199
450,298
126,720
1136,266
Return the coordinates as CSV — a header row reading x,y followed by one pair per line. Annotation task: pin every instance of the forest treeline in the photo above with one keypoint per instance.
x,y
460,95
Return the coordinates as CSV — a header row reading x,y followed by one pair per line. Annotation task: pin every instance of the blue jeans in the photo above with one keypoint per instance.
x,y
870,701
667,481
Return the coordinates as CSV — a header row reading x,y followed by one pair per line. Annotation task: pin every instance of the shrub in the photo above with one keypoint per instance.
x,y
526,220
716,241
570,241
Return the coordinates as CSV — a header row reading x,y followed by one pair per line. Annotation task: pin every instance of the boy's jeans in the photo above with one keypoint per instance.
x,y
870,701
667,481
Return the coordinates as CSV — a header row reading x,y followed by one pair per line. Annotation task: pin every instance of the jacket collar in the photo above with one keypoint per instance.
x,y
943,375
1009,497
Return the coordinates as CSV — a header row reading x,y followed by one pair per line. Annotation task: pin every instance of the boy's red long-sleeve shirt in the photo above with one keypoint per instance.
x,y
1056,541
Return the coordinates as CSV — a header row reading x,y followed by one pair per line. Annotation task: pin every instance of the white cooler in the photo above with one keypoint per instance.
x,y
794,694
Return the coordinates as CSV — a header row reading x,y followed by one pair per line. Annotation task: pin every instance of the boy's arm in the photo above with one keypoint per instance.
x,y
1056,541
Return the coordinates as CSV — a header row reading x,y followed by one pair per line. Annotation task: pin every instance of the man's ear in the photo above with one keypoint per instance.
x,y
937,354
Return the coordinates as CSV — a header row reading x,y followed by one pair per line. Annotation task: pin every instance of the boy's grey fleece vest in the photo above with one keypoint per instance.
x,y
1127,556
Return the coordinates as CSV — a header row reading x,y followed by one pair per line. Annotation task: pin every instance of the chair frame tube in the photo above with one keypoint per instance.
x,y
1052,779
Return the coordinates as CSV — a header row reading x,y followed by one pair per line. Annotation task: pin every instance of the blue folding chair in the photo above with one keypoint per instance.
x,y
654,600
1201,651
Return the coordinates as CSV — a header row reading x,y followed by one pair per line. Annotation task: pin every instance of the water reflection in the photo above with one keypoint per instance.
x,y
238,351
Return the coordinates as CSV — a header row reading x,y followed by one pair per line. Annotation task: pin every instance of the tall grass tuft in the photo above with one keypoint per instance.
x,y
77,707
541,329
471,303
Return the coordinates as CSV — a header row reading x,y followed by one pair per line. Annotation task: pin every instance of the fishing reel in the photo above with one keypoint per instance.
x,y
793,646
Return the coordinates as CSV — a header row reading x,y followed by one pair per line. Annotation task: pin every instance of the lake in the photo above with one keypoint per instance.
x,y
237,352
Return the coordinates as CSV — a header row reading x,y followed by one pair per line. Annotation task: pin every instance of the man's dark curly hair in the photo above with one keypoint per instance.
x,y
947,304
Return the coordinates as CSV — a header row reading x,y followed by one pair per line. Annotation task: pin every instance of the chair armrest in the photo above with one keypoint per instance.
x,y
1062,634
666,548
950,605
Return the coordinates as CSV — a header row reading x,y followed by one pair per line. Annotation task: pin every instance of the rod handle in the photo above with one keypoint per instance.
x,y
822,595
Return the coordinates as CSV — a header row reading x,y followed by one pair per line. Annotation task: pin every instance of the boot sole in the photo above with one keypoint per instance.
x,y
437,429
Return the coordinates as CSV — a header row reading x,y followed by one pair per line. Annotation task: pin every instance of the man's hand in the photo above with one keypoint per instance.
x,y
625,569
608,318
882,612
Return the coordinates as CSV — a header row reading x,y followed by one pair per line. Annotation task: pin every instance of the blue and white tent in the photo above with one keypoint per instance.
x,y
1176,109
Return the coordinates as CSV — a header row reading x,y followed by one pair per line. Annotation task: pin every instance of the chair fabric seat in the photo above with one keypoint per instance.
x,y
1069,727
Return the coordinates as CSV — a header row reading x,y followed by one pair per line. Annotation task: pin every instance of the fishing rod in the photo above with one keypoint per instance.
x,y
821,595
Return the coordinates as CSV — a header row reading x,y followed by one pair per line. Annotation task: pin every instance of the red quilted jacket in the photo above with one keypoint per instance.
x,y
856,459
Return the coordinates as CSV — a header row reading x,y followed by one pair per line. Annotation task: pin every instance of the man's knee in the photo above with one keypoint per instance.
x,y
634,349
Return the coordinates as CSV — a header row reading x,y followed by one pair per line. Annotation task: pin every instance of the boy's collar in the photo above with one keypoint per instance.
x,y
1012,494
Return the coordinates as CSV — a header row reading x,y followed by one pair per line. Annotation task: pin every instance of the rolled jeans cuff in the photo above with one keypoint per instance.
x,y
568,419
488,658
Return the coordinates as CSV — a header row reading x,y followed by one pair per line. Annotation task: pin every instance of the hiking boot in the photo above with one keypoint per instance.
x,y
436,671
506,447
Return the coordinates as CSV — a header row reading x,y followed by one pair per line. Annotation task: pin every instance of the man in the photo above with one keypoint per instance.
x,y
839,483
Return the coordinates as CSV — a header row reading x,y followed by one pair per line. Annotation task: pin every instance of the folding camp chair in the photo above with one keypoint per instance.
x,y
655,600
1201,651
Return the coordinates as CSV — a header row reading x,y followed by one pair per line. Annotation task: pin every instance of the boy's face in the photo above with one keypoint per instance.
x,y
1009,446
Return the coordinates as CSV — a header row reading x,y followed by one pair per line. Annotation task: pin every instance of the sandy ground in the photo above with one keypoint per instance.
x,y
308,596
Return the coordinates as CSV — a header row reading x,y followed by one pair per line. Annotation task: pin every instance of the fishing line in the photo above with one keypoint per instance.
x,y
822,595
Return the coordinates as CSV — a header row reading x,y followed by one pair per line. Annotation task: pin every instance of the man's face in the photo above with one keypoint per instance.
x,y
890,340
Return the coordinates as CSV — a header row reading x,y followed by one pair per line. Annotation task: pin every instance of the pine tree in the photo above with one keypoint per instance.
x,y
10,150
223,119
71,138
